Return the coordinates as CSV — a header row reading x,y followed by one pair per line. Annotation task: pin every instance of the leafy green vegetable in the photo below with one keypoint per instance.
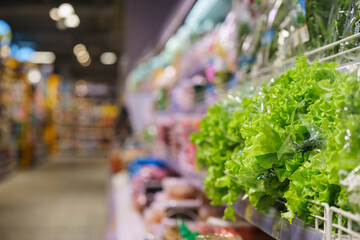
x,y
216,149
283,143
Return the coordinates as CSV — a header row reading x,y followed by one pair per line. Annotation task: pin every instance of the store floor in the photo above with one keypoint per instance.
x,y
63,200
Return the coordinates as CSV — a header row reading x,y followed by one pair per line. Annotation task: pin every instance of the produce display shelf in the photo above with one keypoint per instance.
x,y
274,225
346,62
271,223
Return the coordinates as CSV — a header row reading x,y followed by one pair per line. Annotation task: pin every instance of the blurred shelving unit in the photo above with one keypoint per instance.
x,y
344,51
26,129
274,225
85,125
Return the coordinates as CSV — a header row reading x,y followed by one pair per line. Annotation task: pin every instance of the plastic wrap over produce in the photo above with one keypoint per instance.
x,y
349,148
279,145
279,30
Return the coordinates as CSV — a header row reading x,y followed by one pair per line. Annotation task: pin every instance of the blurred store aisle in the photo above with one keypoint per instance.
x,y
65,199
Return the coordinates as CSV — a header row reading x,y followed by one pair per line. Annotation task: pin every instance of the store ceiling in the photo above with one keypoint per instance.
x,y
101,29
126,27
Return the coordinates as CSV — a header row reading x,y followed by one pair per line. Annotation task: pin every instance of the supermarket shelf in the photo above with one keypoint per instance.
x,y
274,225
195,178
270,223
275,69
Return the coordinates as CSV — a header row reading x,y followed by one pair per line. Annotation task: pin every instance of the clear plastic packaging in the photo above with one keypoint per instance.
x,y
321,17
352,184
293,32
348,22
349,155
347,27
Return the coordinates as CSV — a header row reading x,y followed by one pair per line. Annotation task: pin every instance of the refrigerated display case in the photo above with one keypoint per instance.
x,y
276,141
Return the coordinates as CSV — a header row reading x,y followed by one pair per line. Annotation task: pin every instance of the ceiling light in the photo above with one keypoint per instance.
x,y
65,10
6,34
43,57
79,48
108,58
82,53
54,14
83,58
85,64
72,21
34,76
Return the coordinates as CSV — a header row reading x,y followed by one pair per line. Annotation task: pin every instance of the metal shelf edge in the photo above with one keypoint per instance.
x,y
274,225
